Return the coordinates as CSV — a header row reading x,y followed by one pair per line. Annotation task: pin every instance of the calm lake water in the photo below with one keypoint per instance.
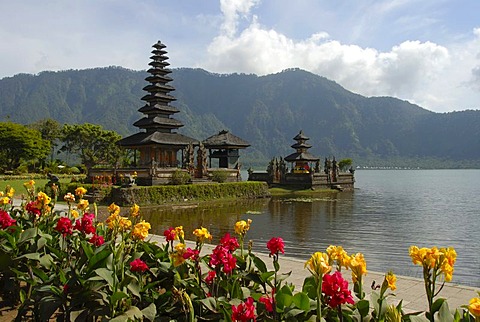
x,y
389,211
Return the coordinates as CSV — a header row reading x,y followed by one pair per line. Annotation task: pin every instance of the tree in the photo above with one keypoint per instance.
x,y
344,164
20,143
51,131
92,144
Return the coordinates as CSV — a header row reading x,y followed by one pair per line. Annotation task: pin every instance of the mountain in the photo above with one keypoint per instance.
x,y
268,111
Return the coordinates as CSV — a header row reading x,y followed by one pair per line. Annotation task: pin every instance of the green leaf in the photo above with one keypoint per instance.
x,y
363,307
134,287
46,261
97,259
444,314
34,256
310,287
41,274
41,243
105,274
210,303
117,296
150,312
302,301
260,264
437,305
27,234
418,318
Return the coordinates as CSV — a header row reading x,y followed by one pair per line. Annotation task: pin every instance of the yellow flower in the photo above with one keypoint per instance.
x,y
337,253
75,214
180,233
391,280
4,201
124,223
114,209
29,184
318,264
140,230
43,198
69,197
358,267
82,205
80,192
134,210
202,234
474,307
177,255
242,226
10,191
112,221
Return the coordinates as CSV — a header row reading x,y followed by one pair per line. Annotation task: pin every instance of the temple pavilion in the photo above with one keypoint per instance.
x,y
301,160
225,147
159,144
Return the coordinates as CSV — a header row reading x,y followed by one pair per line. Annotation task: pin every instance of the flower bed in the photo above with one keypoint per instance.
x,y
70,267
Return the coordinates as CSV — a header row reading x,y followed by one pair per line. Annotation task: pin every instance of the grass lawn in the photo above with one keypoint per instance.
x,y
20,189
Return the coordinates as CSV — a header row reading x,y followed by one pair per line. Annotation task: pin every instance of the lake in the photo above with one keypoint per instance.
x,y
389,211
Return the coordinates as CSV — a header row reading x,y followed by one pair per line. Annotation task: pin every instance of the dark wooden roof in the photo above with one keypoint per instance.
x,y
301,136
158,122
305,156
301,146
158,108
143,138
225,139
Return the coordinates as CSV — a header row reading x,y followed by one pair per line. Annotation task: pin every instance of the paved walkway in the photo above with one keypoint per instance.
x,y
410,290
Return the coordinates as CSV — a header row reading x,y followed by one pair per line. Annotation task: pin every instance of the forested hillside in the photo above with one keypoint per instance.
x,y
267,111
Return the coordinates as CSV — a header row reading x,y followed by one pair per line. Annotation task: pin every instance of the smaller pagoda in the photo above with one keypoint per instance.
x,y
301,160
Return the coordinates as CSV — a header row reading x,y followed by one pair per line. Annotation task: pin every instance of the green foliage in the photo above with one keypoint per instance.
x,y
219,176
92,143
344,164
181,177
20,144
178,193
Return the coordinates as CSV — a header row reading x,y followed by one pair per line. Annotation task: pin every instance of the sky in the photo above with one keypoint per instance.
x,y
424,51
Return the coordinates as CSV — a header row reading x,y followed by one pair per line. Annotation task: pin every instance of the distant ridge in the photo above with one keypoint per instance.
x,y
267,111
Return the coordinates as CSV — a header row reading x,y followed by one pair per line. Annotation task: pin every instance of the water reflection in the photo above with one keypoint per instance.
x,y
380,220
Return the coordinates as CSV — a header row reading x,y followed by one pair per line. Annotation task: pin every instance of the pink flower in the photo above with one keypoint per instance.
x,y
276,245
97,240
5,220
336,290
191,253
244,311
229,242
138,265
210,277
64,226
223,258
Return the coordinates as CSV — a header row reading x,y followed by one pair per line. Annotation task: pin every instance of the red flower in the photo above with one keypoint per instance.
x,y
191,253
244,311
336,290
222,257
85,224
138,265
229,242
5,219
276,245
64,226
32,208
97,240
268,302
170,234
210,277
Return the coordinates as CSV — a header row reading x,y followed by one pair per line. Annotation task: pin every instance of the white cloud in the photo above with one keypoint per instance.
x,y
426,73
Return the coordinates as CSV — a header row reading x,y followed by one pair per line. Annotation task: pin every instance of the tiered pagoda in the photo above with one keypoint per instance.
x,y
158,142
301,158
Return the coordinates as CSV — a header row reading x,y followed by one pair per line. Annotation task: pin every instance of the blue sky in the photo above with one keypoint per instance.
x,y
423,51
